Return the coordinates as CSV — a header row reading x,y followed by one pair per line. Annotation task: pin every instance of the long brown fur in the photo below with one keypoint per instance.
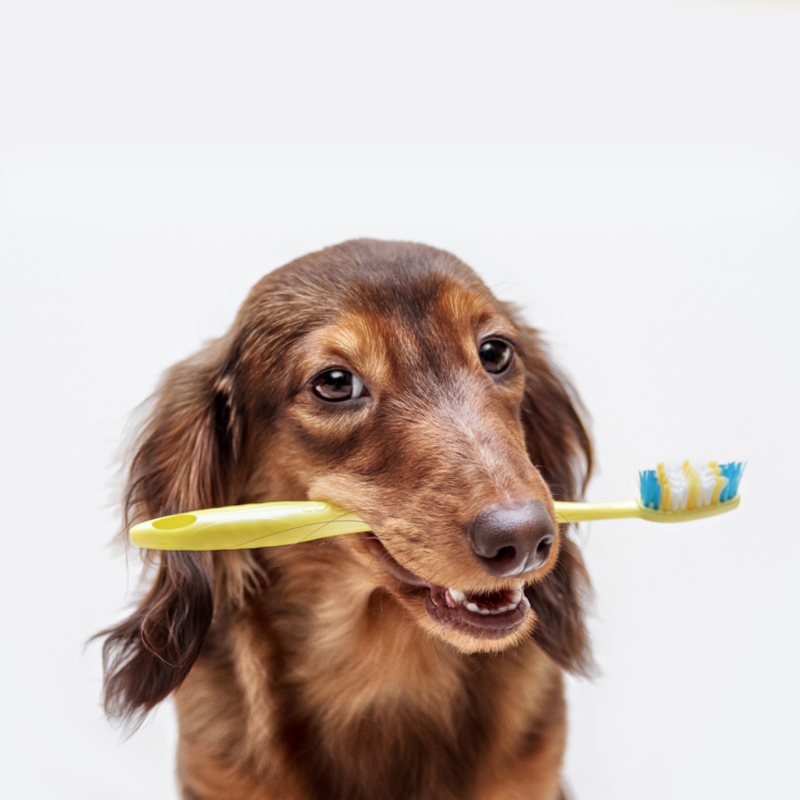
x,y
310,672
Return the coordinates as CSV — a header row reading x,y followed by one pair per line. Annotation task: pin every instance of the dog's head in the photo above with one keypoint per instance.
x,y
384,378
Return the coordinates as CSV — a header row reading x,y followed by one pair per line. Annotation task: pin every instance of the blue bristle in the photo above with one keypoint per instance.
x,y
649,489
733,472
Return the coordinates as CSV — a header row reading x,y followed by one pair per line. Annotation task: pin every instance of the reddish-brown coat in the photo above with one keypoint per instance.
x,y
309,672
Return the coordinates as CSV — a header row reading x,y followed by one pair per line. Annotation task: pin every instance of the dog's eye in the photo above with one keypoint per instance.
x,y
495,355
337,384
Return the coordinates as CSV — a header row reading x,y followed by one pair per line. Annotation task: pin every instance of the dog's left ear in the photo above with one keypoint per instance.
x,y
557,441
560,448
185,457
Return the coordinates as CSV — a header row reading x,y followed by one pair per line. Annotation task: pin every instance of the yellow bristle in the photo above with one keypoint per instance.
x,y
693,479
666,496
722,482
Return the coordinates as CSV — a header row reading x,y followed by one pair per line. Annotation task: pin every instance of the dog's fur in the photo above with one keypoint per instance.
x,y
311,671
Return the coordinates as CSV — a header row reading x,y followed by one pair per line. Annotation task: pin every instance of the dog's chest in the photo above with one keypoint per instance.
x,y
373,707
361,705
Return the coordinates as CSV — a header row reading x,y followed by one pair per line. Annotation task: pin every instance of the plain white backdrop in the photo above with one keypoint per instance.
x,y
629,172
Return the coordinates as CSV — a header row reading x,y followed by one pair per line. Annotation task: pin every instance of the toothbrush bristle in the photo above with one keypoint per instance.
x,y
649,489
689,486
733,472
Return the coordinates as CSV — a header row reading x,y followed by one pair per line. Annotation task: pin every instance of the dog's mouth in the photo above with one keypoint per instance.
x,y
483,614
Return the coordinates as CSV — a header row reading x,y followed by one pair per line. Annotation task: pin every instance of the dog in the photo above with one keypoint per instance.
x,y
422,661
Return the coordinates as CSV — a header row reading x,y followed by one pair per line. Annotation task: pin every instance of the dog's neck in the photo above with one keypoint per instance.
x,y
341,631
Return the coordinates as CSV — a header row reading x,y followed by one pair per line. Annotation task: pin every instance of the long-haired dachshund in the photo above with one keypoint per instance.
x,y
422,661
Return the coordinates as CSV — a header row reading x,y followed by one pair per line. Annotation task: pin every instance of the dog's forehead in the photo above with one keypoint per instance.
x,y
397,305
399,329
398,279
424,301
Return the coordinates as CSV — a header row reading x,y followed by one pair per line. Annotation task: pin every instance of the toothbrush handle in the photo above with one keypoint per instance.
x,y
586,512
246,526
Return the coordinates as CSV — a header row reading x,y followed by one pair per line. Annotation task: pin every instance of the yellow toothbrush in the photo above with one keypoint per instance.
x,y
672,493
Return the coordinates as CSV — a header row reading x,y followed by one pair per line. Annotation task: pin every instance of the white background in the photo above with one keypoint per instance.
x,y
629,172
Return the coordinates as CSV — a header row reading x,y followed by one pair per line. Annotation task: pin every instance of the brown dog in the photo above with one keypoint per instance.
x,y
424,661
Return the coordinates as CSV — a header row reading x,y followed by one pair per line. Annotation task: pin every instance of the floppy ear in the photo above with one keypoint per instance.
x,y
185,457
559,446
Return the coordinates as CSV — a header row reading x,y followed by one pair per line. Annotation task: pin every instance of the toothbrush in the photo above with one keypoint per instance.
x,y
671,493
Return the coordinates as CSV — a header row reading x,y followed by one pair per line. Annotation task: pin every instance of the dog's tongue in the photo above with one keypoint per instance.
x,y
490,598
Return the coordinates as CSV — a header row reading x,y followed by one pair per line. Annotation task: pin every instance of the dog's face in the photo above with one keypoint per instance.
x,y
404,404
385,378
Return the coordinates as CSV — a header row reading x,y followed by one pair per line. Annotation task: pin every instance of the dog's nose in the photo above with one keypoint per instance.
x,y
510,541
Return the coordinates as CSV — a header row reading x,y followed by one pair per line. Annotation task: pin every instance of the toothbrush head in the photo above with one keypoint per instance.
x,y
687,487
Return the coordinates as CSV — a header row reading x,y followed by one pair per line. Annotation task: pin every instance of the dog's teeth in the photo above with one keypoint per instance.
x,y
461,598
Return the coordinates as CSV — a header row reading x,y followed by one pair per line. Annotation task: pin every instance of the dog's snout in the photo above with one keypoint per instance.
x,y
510,541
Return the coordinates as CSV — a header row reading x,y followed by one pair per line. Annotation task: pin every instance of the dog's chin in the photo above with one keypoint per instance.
x,y
472,622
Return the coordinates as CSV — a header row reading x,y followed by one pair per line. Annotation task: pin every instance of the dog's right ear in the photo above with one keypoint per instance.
x,y
560,447
185,457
